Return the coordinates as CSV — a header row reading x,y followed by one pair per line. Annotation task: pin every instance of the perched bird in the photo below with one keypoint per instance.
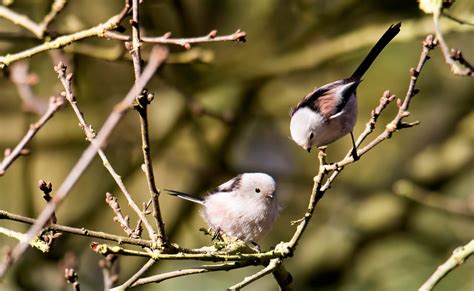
x,y
244,207
330,111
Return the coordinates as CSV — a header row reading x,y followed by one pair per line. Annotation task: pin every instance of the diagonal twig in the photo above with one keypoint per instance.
x,y
56,8
55,103
459,256
272,265
454,58
90,134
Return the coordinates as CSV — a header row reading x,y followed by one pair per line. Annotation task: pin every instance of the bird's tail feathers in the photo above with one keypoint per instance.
x,y
391,32
186,196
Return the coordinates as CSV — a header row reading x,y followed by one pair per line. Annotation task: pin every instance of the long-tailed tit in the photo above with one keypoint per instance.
x,y
330,111
244,207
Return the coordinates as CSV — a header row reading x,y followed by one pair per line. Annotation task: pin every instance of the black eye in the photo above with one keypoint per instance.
x,y
257,190
311,136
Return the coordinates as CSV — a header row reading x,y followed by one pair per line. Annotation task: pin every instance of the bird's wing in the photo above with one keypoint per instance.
x,y
228,186
330,99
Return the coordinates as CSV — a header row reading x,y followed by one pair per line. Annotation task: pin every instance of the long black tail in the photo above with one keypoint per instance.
x,y
186,196
391,32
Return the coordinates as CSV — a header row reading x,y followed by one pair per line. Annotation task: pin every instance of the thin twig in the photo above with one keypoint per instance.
x,y
136,51
238,36
36,243
157,57
459,256
55,103
272,265
23,82
124,221
21,20
78,231
111,24
90,134
453,18
463,68
186,272
143,101
56,8
110,271
148,168
135,276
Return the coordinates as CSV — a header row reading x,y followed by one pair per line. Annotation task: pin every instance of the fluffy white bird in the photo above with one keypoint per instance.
x,y
330,111
244,207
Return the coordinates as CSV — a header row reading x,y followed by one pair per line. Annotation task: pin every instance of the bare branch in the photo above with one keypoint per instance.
x,y
459,256
135,276
459,65
186,272
56,8
78,231
124,221
110,267
65,40
23,82
272,265
238,36
21,20
453,18
36,242
141,106
55,103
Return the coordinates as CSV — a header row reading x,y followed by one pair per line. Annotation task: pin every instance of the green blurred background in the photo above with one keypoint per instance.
x,y
362,237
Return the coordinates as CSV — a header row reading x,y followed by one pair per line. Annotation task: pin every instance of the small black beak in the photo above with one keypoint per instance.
x,y
309,149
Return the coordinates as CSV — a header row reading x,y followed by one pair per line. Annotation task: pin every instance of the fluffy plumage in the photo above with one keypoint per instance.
x,y
244,207
330,111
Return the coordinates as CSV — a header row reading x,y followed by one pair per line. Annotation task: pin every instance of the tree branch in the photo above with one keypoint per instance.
x,y
111,24
272,265
179,273
21,20
136,276
238,36
454,58
459,256
78,231
55,103
142,105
